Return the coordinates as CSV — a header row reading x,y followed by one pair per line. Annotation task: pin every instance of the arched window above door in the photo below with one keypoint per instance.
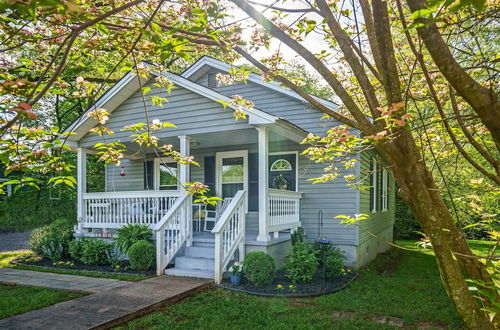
x,y
281,165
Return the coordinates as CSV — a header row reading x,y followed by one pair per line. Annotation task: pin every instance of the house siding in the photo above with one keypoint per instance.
x,y
189,111
298,113
133,179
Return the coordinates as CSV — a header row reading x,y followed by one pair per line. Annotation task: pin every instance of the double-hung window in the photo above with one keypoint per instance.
x,y
379,187
166,174
373,185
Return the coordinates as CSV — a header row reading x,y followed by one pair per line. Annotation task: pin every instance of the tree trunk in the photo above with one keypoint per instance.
x,y
419,191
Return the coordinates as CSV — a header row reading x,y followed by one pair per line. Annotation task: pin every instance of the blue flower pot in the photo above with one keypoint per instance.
x,y
236,279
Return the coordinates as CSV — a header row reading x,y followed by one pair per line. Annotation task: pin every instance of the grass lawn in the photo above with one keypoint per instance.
x,y
20,299
5,257
407,287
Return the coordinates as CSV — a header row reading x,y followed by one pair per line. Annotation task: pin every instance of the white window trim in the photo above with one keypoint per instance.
x,y
289,166
296,153
373,183
156,173
385,190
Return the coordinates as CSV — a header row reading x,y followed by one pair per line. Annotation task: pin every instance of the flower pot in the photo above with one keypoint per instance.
x,y
236,279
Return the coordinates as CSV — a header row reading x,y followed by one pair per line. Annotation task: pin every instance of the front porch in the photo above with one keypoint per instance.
x,y
253,212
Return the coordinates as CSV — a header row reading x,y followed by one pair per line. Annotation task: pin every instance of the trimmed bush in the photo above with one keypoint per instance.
x,y
301,264
130,234
259,268
95,251
52,241
142,255
333,263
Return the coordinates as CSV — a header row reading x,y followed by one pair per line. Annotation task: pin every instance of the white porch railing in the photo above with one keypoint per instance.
x,y
284,210
116,209
172,231
230,234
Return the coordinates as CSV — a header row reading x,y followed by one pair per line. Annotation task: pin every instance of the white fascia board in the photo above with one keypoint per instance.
x,y
253,77
255,115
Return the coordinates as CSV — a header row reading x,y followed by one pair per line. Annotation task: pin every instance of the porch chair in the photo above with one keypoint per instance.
x,y
219,209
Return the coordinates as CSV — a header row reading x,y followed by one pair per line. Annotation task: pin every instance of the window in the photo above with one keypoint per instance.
x,y
373,185
282,171
281,165
385,190
379,187
166,175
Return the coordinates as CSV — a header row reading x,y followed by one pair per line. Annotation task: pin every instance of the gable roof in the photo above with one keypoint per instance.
x,y
203,65
130,83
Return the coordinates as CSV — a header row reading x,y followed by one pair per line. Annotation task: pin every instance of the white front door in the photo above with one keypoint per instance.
x,y
231,172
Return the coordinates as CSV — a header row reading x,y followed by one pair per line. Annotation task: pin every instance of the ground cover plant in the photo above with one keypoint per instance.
x,y
21,299
103,272
403,285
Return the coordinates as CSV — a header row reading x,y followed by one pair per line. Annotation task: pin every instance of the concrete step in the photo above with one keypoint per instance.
x,y
190,272
195,263
203,240
200,251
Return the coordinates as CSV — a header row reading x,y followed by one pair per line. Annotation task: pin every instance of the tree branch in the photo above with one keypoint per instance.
x,y
362,122
320,106
483,100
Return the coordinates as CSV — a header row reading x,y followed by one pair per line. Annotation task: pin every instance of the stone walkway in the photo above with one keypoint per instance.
x,y
109,308
13,241
58,281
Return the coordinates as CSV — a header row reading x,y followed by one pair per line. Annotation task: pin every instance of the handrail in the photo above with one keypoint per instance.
x,y
131,194
175,225
284,192
230,234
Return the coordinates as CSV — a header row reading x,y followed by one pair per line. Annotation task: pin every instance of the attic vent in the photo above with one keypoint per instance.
x,y
212,81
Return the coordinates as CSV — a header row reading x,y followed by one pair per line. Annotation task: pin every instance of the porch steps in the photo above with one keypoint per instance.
x,y
198,260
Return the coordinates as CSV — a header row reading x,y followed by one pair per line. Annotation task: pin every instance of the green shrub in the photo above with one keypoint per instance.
x,y
95,251
259,268
405,224
142,255
26,210
52,241
75,249
301,264
333,263
298,236
130,234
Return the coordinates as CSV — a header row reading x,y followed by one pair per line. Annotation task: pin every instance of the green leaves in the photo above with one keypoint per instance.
x,y
349,220
67,180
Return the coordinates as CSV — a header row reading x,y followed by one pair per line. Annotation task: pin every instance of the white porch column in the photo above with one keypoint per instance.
x,y
81,177
184,176
263,184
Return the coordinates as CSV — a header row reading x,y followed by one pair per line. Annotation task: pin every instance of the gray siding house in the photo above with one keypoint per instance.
x,y
254,164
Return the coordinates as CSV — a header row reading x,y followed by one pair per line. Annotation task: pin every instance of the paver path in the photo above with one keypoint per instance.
x,y
108,308
58,281
13,241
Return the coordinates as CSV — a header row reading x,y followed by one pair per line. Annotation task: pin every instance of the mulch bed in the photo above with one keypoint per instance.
x,y
77,265
318,286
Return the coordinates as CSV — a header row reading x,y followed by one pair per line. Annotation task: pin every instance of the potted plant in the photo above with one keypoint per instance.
x,y
236,273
